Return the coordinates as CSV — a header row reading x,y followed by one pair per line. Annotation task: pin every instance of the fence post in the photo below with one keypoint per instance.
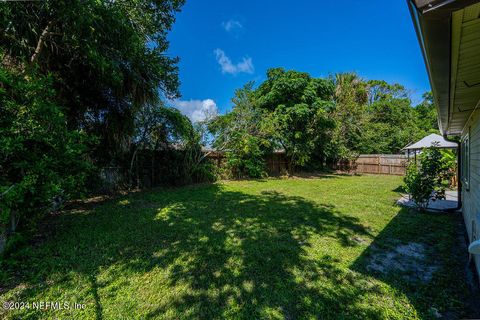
x,y
378,164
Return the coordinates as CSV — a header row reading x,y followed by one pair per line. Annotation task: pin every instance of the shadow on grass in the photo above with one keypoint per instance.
x,y
316,175
400,189
236,255
423,256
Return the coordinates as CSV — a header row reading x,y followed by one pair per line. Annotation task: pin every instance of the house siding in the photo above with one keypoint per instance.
x,y
471,196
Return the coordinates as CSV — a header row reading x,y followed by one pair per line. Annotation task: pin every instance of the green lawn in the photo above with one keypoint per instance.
x,y
274,249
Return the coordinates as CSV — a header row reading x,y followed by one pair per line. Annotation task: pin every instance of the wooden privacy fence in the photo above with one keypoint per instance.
x,y
153,169
392,164
275,164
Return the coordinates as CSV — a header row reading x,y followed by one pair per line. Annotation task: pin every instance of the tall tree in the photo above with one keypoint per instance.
x,y
427,114
349,114
70,71
317,120
288,111
391,119
107,58
297,119
240,134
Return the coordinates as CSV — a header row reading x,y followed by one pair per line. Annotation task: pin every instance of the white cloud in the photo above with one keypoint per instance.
x,y
245,66
232,25
197,110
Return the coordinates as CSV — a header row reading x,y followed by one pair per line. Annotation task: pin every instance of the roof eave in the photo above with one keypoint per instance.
x,y
432,22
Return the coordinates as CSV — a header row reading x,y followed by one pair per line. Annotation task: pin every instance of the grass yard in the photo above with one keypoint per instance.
x,y
331,247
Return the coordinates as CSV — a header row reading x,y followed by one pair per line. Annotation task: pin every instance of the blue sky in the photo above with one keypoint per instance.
x,y
224,44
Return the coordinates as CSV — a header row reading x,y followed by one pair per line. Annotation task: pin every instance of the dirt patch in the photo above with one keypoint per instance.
x,y
409,260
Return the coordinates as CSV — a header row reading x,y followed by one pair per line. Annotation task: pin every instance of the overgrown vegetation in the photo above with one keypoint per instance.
x,y
75,79
170,138
318,121
42,160
430,177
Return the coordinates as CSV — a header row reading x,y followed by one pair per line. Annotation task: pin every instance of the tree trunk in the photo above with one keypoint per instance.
x,y
3,238
290,165
13,221
41,42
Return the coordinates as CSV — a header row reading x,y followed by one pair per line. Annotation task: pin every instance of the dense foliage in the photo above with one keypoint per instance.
x,y
80,84
106,57
240,135
295,107
40,158
318,121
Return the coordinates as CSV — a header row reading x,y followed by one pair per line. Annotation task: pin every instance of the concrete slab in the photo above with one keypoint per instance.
x,y
438,205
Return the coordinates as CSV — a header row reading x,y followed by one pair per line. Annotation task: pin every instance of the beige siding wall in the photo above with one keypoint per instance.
x,y
471,197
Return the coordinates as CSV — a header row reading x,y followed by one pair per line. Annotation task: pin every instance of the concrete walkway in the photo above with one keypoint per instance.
x,y
449,203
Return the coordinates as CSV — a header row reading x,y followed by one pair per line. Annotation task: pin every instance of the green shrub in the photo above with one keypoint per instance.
x,y
430,177
246,160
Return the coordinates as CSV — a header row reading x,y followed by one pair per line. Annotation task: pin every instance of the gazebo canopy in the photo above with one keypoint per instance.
x,y
430,141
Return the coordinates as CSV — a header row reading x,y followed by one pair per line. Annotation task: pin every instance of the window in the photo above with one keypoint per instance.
x,y
466,161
